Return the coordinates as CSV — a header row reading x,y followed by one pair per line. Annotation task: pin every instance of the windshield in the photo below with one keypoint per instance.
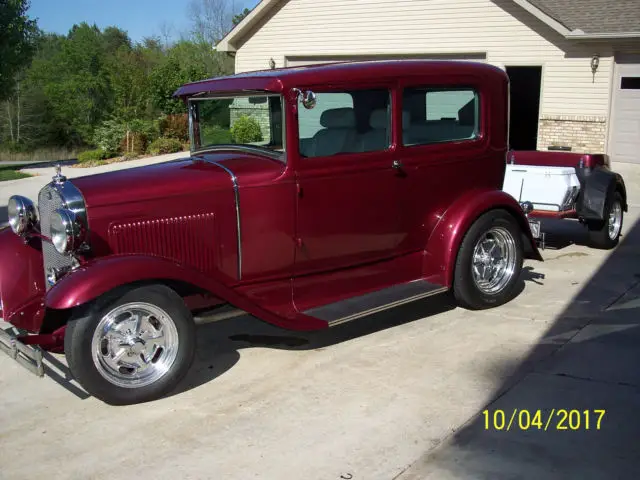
x,y
252,122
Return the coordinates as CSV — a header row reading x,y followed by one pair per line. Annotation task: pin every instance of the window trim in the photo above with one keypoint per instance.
x,y
477,129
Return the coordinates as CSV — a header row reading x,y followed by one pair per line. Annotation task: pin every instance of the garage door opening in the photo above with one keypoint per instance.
x,y
525,106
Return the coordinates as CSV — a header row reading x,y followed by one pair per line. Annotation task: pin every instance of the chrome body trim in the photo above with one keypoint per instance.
x,y
236,193
61,193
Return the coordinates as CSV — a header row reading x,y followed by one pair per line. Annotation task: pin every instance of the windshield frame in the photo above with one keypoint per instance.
x,y
196,148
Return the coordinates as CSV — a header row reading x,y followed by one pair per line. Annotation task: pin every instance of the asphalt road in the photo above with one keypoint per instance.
x,y
396,395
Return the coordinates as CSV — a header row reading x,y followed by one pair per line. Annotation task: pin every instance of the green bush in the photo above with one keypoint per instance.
x,y
163,145
215,135
246,130
92,155
109,135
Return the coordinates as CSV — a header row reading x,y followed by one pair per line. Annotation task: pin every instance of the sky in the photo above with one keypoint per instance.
x,y
140,18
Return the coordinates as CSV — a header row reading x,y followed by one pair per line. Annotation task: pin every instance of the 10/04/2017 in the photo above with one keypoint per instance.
x,y
554,419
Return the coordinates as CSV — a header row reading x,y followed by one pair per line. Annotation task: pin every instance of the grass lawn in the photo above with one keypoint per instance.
x,y
10,172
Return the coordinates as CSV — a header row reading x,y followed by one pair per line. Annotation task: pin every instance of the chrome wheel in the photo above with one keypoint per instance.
x,y
615,220
494,260
134,345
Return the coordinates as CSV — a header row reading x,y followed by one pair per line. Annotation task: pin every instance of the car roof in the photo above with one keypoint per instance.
x,y
278,80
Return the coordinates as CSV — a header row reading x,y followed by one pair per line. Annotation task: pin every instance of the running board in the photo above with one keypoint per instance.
x,y
370,303
224,312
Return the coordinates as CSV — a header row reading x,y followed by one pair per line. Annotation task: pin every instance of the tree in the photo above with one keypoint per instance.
x,y
17,36
185,61
240,16
212,19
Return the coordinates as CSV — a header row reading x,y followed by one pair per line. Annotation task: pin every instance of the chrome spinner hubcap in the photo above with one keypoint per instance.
x,y
494,260
615,220
134,345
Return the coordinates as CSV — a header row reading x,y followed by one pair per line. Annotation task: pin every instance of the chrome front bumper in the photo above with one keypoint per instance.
x,y
28,356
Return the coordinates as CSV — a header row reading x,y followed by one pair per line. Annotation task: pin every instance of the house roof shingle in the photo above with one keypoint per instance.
x,y
594,16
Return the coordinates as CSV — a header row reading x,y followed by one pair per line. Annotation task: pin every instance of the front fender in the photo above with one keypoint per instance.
x,y
21,281
444,241
107,273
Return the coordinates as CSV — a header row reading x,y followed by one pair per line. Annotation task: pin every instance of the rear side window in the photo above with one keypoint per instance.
x,y
436,115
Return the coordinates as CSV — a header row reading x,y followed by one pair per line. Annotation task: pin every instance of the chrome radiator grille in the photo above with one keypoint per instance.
x,y
49,199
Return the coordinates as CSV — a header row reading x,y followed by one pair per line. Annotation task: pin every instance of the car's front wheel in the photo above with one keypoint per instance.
x,y
489,262
131,347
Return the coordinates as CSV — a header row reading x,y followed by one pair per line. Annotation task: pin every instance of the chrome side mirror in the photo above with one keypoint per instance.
x,y
307,98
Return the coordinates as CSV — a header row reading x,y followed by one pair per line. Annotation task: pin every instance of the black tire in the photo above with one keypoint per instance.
x,y
87,371
599,236
466,290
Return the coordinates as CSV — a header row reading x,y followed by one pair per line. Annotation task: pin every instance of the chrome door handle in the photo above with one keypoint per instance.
x,y
397,164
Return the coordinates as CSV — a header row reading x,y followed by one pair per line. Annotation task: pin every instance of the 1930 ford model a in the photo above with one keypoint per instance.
x,y
312,196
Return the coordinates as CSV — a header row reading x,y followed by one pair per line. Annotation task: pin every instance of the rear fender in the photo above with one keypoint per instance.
x,y
444,241
597,186
105,274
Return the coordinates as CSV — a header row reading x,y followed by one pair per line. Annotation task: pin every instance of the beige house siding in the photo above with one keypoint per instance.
x,y
498,29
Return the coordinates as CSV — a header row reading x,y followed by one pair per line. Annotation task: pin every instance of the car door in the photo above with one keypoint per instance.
x,y
347,205
441,152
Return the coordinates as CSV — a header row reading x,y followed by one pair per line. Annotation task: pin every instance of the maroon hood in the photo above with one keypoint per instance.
x,y
175,178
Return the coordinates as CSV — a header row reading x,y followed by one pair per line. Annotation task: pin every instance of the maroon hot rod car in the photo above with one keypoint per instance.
x,y
311,197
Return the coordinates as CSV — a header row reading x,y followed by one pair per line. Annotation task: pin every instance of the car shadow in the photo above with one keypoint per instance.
x,y
4,215
560,234
574,396
219,344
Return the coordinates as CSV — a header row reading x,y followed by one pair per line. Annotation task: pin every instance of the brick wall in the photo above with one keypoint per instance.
x,y
259,111
582,134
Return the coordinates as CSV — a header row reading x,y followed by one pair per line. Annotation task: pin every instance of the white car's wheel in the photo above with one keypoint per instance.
x,y
132,348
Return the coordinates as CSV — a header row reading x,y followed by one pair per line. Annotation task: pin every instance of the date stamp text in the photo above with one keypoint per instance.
x,y
554,419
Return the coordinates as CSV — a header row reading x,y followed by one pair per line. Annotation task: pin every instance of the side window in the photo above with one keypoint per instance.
x,y
345,122
439,115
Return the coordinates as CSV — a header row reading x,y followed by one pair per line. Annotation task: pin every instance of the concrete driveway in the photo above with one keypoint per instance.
x,y
396,395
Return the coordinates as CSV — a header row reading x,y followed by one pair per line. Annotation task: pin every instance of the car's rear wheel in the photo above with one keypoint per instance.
x,y
489,262
131,347
606,234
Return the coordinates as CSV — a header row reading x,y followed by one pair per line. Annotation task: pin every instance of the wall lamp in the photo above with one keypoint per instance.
x,y
595,62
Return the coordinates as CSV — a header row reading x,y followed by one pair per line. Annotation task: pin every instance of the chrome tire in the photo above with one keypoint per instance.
x,y
135,344
615,220
132,345
494,260
606,235
489,262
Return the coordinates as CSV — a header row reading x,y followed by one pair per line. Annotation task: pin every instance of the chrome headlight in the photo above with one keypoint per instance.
x,y
22,215
67,233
